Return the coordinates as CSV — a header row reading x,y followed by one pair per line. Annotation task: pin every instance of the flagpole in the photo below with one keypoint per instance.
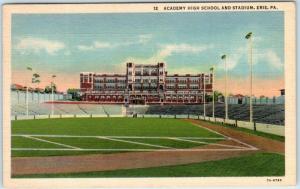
x,y
27,86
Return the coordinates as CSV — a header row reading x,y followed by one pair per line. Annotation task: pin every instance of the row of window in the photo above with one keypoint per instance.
x,y
109,81
146,80
181,97
145,88
182,81
146,73
142,81
182,87
106,97
97,87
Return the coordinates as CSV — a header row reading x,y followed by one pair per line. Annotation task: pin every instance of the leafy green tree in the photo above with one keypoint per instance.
x,y
75,93
208,98
49,90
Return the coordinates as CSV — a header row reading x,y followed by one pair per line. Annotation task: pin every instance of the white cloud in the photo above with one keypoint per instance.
x,y
85,48
266,56
169,50
232,60
100,45
145,38
94,46
67,53
271,58
36,45
141,39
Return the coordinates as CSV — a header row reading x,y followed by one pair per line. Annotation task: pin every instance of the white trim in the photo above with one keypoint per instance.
x,y
132,142
199,142
164,150
95,136
65,145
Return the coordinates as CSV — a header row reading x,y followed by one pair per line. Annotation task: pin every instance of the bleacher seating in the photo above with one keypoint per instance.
x,y
267,113
65,109
264,113
112,109
91,108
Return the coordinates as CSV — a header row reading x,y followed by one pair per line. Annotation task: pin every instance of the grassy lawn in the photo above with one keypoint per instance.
x,y
102,127
111,127
22,142
259,164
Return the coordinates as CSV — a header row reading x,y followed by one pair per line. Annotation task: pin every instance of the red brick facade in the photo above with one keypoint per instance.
x,y
145,84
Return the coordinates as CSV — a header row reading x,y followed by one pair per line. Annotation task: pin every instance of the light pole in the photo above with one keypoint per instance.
x,y
52,97
249,38
204,108
213,92
223,57
35,79
30,70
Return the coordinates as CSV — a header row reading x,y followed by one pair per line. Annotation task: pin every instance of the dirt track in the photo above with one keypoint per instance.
x,y
103,162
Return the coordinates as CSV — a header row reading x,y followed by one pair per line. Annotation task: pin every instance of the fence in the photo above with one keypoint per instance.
x,y
255,100
19,97
266,128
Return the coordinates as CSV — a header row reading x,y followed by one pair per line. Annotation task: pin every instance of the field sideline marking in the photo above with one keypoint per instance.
x,y
95,136
132,142
65,145
250,146
229,138
200,142
152,150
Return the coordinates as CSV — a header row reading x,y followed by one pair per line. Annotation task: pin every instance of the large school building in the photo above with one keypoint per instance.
x,y
145,84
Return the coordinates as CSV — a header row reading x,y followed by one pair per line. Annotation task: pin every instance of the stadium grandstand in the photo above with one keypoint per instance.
x,y
267,113
265,110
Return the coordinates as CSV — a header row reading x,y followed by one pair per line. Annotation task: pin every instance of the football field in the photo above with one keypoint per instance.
x,y
75,136
138,147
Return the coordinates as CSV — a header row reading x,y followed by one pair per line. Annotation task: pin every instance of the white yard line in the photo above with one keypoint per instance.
x,y
117,138
94,136
59,144
163,150
132,142
238,141
210,130
229,138
200,142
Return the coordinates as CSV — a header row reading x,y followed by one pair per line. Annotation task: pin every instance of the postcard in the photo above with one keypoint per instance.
x,y
149,94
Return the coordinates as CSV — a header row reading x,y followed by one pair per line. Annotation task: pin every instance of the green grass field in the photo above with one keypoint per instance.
x,y
76,136
260,164
110,127
51,137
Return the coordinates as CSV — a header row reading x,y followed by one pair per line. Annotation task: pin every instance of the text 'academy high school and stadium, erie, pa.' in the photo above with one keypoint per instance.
x,y
145,84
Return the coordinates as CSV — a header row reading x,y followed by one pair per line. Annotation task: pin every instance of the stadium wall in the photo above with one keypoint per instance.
x,y
19,97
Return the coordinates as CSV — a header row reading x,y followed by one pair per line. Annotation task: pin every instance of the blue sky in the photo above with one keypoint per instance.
x,y
187,42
